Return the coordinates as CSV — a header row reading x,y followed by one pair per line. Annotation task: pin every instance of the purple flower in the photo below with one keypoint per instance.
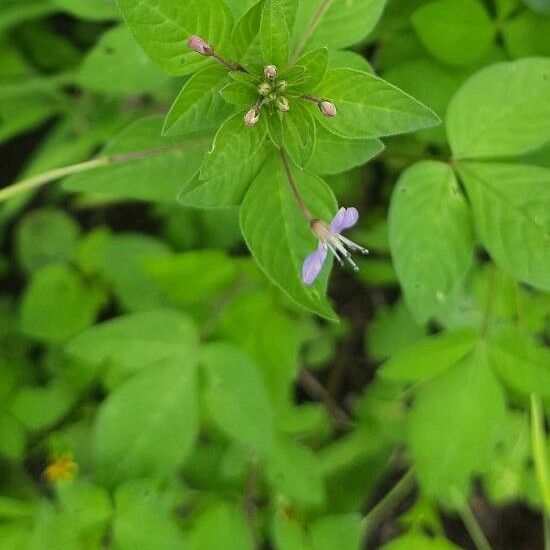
x,y
330,238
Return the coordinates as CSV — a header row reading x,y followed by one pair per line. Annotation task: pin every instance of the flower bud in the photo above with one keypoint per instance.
x,y
270,72
282,104
199,45
264,89
282,86
328,109
251,118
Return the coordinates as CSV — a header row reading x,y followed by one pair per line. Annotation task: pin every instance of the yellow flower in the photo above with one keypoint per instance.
x,y
62,468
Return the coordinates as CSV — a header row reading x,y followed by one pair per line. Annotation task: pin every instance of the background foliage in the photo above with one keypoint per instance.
x,y
161,388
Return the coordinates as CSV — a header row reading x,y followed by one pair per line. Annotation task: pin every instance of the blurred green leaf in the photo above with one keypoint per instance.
x,y
147,426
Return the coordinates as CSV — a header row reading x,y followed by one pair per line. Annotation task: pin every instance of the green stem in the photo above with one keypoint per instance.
x,y
316,19
472,525
33,182
491,291
292,182
399,491
540,457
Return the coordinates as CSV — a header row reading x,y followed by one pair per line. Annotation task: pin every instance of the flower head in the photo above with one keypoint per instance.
x,y
330,238
62,468
199,45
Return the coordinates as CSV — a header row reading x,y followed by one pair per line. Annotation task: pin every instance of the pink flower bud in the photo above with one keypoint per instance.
x,y
199,45
270,72
282,105
251,118
328,109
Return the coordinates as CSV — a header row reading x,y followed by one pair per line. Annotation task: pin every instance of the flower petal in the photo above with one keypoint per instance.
x,y
313,264
344,219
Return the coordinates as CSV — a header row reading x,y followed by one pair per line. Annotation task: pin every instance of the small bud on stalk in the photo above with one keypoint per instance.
x,y
270,72
328,109
283,105
264,89
199,45
251,118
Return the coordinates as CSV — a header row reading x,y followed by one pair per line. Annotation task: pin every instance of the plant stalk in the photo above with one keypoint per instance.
x,y
292,182
323,7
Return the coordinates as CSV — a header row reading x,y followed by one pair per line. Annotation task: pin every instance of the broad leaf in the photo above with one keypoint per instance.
x,y
147,426
511,208
118,65
334,154
163,27
236,158
430,236
429,357
458,32
343,24
299,133
274,34
138,340
155,173
315,63
278,234
198,107
236,397
58,304
502,110
455,424
370,107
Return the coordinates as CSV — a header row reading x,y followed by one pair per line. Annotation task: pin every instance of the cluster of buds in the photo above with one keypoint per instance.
x,y
271,91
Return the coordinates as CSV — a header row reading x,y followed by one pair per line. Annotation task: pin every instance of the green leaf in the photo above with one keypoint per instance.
x,y
458,32
237,156
118,65
511,209
234,144
58,304
520,362
315,63
299,130
430,236
370,107
454,425
274,34
346,59
138,340
429,357
343,24
419,541
335,154
236,397
163,27
193,277
198,107
245,35
502,110
294,473
240,93
279,236
93,10
45,236
141,520
221,525
38,408
148,425
343,531
12,446
157,177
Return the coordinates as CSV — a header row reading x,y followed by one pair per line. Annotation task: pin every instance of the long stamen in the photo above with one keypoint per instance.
x,y
353,246
335,253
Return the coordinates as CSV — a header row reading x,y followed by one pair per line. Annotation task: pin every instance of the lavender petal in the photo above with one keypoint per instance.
x,y
313,264
344,219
